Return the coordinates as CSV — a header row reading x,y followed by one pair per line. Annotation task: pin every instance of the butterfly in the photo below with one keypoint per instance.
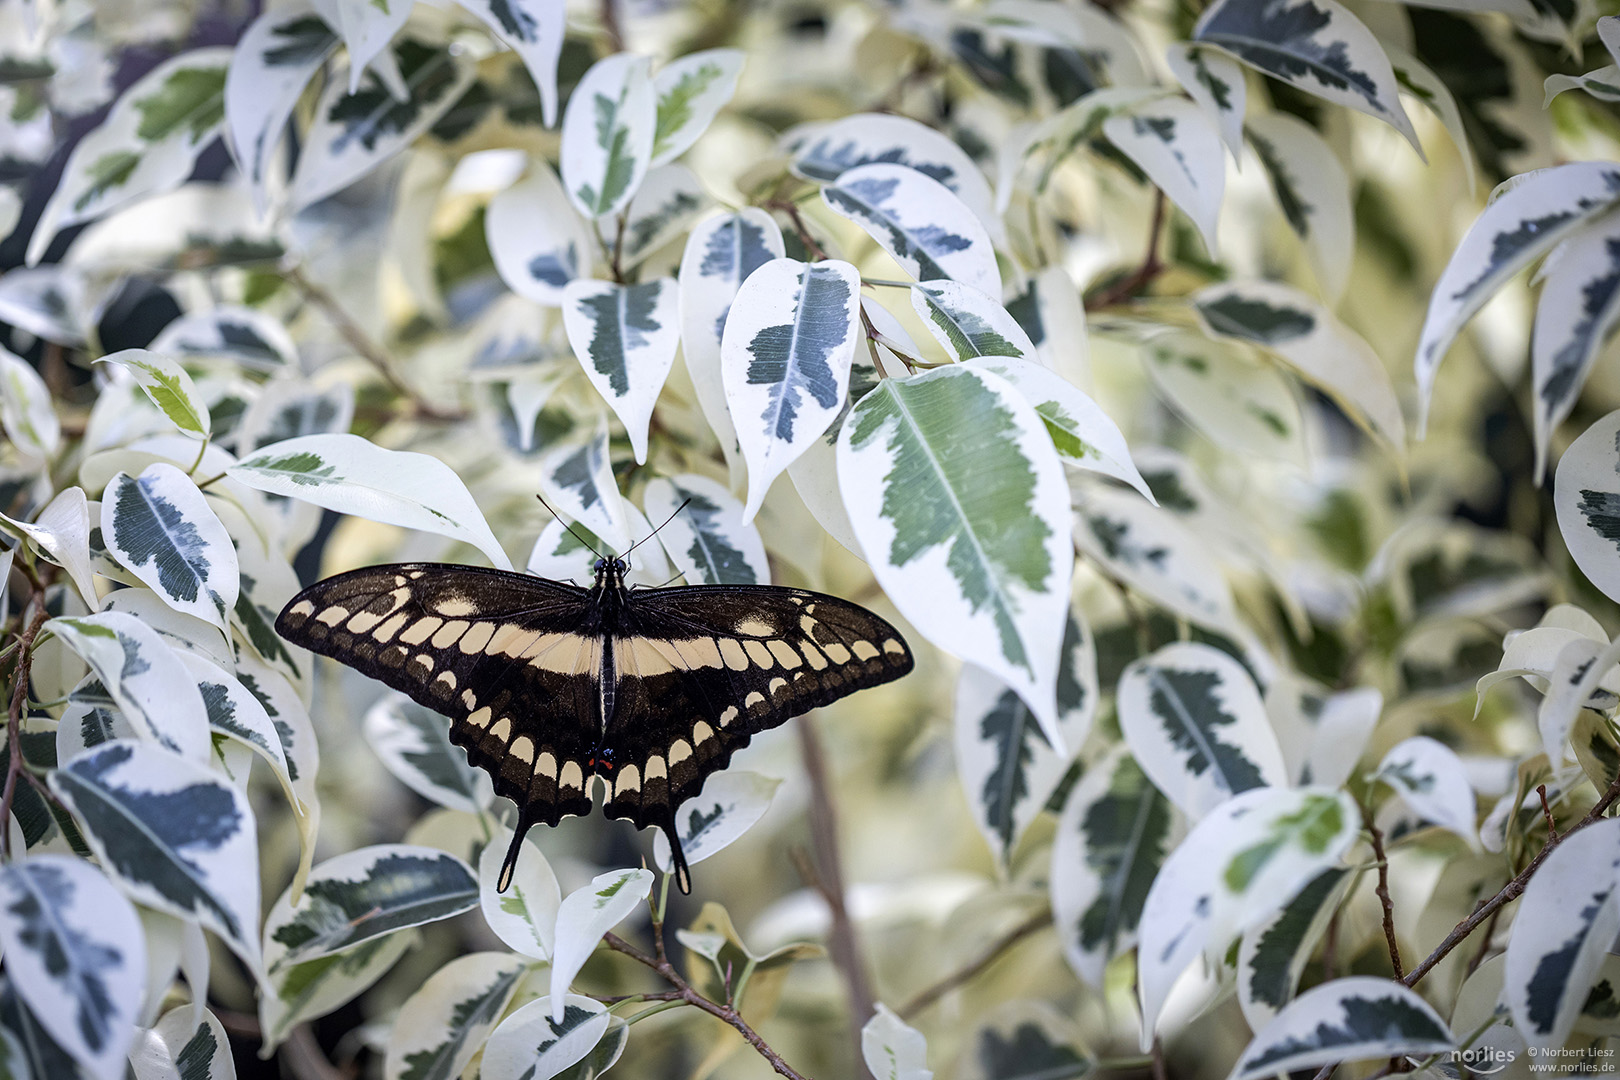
x,y
548,685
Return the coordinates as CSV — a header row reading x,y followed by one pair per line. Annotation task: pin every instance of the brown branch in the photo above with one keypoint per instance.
x,y
843,943
1546,811
19,695
1382,892
1508,893
1149,269
961,977
362,343
609,14
1157,1060
791,209
305,1059
684,992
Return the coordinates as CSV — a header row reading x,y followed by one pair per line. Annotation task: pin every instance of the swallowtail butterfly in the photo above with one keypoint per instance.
x,y
548,685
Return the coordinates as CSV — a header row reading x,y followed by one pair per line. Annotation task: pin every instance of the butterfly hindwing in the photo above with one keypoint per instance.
x,y
701,670
501,654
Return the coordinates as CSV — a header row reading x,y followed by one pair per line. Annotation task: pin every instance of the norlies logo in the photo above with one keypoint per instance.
x,y
1484,1060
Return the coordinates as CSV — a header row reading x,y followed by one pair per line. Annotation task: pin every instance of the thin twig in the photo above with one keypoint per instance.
x,y
961,977
19,694
362,344
609,12
1383,892
1150,267
1157,1060
792,211
725,1013
305,1059
1484,943
842,940
1546,811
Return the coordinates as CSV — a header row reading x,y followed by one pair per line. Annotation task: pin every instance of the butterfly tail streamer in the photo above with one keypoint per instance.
x,y
509,864
677,860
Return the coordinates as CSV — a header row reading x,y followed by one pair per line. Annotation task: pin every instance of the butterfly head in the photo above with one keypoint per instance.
x,y
610,572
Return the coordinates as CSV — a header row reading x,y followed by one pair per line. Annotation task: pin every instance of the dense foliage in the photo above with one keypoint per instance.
x,y
1264,711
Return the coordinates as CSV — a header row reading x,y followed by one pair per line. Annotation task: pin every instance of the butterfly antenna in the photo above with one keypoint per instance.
x,y
569,527
656,531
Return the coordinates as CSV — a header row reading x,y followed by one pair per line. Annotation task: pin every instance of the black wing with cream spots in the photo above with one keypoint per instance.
x,y
548,685
508,657
702,669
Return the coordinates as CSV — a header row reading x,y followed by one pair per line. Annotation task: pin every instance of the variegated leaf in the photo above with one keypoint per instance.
x,y
930,232
1358,1018
1155,554
365,894
730,804
538,242
238,715
1526,218
1048,307
1178,146
26,410
367,27
1247,858
305,991
1112,838
892,1050
691,92
1304,334
443,1025
577,480
166,385
27,1048
1273,954
1313,191
968,323
1603,84
1322,734
972,544
355,132
583,917
1081,433
254,339
1216,83
785,359
720,254
1103,41
1007,766
1579,304
276,57
185,1047
61,532
1433,781
414,742
1221,388
144,677
543,1038
864,138
146,145
669,198
625,337
172,833
1195,722
607,134
525,915
1586,497
707,540
534,29
1317,46
290,408
160,526
47,301
353,476
815,472
75,952
1420,82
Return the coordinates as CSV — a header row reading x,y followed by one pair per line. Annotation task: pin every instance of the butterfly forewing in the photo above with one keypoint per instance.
x,y
703,669
548,685
508,657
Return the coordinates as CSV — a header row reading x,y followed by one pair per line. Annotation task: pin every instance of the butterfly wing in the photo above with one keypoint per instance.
x,y
509,658
701,670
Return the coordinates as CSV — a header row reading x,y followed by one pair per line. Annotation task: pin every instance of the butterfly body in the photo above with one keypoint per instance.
x,y
550,687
